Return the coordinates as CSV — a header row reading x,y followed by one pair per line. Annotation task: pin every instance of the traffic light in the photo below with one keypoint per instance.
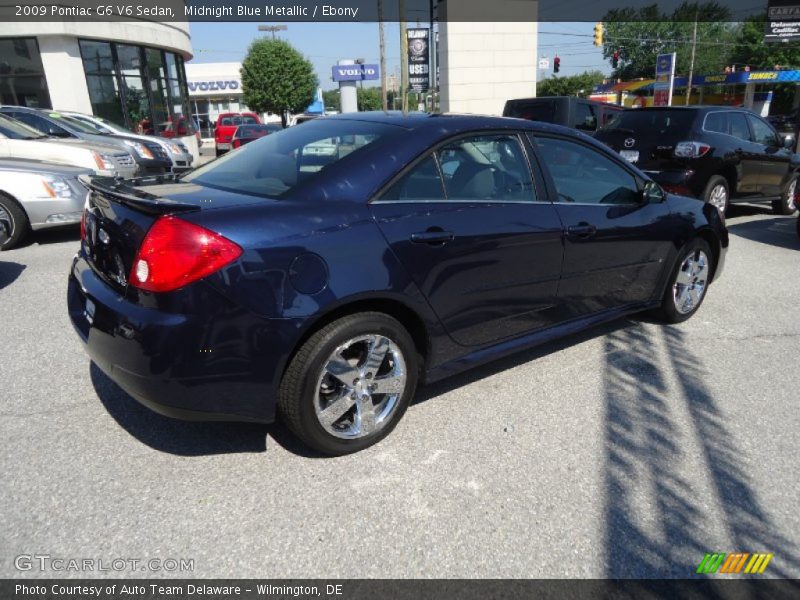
x,y
615,59
598,34
556,64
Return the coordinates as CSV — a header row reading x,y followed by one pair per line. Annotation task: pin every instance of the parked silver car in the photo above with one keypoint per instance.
x,y
38,195
176,150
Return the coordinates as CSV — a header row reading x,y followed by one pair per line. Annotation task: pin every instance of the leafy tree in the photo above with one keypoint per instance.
x,y
277,78
573,85
369,98
332,99
641,35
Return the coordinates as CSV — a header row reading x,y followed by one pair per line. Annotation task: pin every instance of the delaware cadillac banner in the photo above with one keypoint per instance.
x,y
419,70
783,21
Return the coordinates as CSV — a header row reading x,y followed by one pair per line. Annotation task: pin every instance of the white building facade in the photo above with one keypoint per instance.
x,y
131,73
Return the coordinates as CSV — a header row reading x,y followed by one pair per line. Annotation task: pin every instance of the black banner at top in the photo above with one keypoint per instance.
x,y
783,21
416,11
419,66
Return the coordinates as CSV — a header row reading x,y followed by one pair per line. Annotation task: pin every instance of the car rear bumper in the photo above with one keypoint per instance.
x,y
684,182
159,357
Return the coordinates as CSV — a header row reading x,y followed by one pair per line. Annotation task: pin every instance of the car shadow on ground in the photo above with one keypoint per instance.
x,y
9,271
777,231
189,438
645,391
51,236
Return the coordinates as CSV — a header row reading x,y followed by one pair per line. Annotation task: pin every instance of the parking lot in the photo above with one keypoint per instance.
x,y
629,450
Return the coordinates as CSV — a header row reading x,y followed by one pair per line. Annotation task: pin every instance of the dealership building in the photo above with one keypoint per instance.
x,y
130,72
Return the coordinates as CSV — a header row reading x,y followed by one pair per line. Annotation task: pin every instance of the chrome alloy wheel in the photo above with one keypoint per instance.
x,y
792,195
718,198
6,218
690,282
360,386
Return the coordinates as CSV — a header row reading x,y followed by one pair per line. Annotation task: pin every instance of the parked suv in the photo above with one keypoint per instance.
x,y
226,126
718,154
149,156
578,113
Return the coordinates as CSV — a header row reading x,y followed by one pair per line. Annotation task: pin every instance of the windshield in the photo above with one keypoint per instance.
x,y
252,130
72,123
275,164
652,123
15,130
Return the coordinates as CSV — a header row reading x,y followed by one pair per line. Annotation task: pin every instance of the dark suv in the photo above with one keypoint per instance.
x,y
715,153
578,113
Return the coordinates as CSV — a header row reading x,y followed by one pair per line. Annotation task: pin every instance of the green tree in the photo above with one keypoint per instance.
x,y
369,98
277,78
641,35
332,99
573,85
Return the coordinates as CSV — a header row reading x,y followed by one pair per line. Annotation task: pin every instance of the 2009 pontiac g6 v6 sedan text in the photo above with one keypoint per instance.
x,y
324,287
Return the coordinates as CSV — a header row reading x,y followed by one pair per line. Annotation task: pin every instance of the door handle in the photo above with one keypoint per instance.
x,y
581,231
432,237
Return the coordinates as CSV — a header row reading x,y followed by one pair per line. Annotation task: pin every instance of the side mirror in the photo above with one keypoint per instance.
x,y
788,140
652,193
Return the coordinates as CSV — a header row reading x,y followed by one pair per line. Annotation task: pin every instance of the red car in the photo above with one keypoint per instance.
x,y
226,126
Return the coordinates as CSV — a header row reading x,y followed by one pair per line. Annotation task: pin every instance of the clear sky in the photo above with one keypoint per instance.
x,y
325,43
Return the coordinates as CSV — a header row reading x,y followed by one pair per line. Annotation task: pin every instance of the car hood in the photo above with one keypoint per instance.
x,y
37,166
90,145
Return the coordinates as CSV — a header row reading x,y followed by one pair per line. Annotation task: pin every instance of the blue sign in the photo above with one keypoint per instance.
x,y
355,72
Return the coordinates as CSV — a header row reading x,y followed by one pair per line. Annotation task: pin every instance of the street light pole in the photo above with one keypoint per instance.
x,y
691,61
403,58
384,102
272,29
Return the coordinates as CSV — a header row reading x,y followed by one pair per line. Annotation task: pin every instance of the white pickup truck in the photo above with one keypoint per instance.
x,y
17,140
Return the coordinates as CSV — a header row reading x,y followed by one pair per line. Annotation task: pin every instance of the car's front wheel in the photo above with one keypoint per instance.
x,y
688,282
350,383
15,221
787,203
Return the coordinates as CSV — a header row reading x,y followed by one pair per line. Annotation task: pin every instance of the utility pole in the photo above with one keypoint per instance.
x,y
403,57
384,100
691,61
272,29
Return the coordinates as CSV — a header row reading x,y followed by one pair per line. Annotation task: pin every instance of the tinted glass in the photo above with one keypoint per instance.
x,y
762,133
585,176
22,80
738,125
585,118
42,124
665,125
275,164
420,183
488,167
17,130
252,131
717,122
542,110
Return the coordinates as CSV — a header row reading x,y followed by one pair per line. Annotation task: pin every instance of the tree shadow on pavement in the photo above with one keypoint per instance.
x,y
655,519
779,231
9,272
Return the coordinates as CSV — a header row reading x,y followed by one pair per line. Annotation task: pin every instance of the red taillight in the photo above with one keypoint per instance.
x,y
83,224
175,253
237,143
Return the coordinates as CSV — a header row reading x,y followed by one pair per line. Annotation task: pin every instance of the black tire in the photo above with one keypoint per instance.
x,y
298,390
17,223
786,205
714,182
668,311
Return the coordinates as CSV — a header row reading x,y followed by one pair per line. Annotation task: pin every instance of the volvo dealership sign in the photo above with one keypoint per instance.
x,y
207,87
783,21
355,72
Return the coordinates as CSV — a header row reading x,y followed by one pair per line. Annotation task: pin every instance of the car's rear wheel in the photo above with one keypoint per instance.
x,y
350,383
717,193
688,282
15,221
787,203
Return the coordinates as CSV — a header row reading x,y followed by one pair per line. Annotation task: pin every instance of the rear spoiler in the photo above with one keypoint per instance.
x,y
121,191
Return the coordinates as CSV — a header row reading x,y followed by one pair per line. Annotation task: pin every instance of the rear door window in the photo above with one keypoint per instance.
x,y
738,126
585,118
422,183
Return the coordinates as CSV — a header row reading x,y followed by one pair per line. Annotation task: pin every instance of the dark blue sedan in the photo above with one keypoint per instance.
x,y
323,272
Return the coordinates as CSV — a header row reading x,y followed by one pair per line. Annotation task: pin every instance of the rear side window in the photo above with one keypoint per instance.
x,y
729,123
421,183
583,175
585,118
41,124
717,122
531,110
226,121
738,126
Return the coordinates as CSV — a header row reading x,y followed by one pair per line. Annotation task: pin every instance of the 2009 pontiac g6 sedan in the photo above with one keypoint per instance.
x,y
324,287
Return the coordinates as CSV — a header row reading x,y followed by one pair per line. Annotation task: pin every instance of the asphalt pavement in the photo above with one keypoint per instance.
x,y
628,450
